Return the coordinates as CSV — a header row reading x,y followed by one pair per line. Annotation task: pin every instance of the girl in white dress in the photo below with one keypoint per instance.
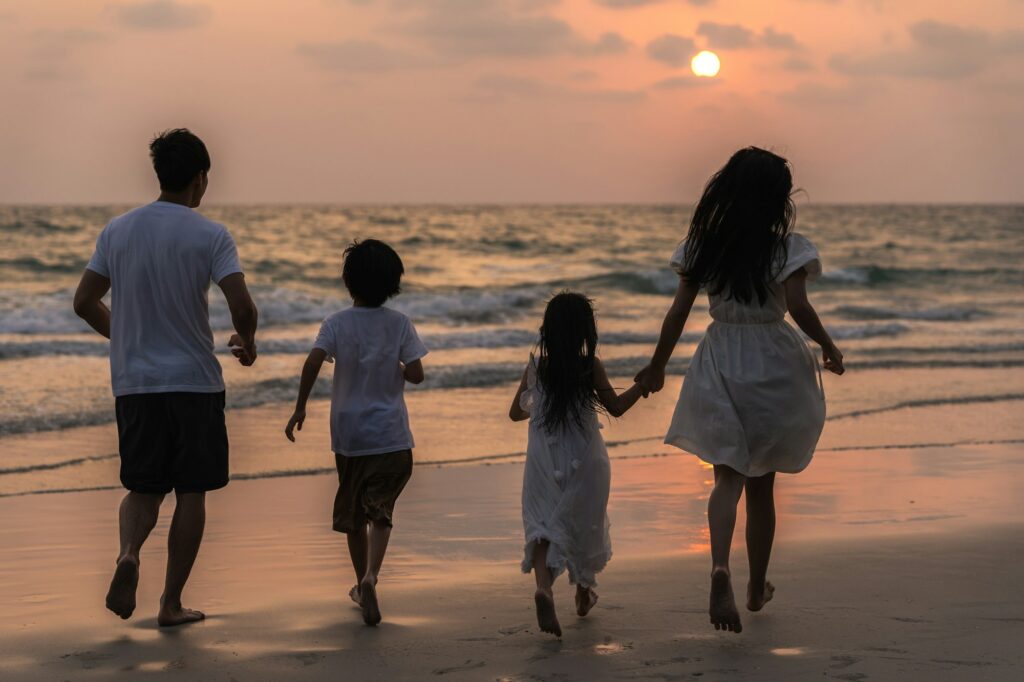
x,y
752,403
567,474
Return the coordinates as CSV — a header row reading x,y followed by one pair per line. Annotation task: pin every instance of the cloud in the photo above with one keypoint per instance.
x,y
162,15
684,82
937,51
778,40
627,4
52,54
726,36
817,94
671,49
797,64
357,56
502,85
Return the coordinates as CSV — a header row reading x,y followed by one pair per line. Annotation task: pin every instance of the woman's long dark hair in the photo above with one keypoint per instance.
x,y
737,239
565,369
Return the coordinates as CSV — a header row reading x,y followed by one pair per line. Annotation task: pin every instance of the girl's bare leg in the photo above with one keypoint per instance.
x,y
544,598
586,599
721,522
760,533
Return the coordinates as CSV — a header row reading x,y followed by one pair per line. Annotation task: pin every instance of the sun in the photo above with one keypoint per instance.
x,y
705,64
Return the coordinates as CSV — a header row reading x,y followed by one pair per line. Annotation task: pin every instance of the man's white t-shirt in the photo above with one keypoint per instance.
x,y
368,413
160,259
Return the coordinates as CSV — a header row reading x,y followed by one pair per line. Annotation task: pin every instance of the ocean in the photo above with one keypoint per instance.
x,y
932,289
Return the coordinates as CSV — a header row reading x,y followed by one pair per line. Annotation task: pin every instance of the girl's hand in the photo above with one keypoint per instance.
x,y
833,359
298,417
651,379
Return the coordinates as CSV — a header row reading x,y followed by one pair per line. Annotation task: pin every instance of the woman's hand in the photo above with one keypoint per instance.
x,y
651,379
833,359
295,422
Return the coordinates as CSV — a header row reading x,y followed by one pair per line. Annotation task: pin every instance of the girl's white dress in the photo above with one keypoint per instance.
x,y
752,398
565,493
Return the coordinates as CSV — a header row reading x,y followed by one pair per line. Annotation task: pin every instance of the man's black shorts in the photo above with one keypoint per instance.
x,y
172,441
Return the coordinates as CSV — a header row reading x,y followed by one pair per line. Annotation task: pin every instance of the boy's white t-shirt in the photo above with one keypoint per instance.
x,y
160,259
368,413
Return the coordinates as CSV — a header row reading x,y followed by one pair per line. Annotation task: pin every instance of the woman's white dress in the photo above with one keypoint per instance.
x,y
565,493
752,398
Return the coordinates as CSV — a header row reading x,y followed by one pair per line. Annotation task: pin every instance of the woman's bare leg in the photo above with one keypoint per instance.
x,y
760,534
721,522
544,598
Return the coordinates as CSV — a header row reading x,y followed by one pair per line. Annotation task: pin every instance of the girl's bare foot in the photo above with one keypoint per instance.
x,y
547,621
175,614
586,599
724,615
354,594
121,595
368,600
757,599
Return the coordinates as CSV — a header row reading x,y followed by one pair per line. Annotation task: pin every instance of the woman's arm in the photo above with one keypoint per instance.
x,y
516,412
616,403
803,313
652,377
310,371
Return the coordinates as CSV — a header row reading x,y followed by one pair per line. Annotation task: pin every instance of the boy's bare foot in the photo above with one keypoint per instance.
x,y
547,621
724,615
756,600
175,614
586,599
121,595
354,594
368,600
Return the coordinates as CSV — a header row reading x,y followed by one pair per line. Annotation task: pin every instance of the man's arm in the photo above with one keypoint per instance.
x,y
244,316
89,303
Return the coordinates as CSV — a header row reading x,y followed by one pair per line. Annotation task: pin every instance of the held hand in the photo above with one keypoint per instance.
x,y
295,422
651,378
833,359
246,355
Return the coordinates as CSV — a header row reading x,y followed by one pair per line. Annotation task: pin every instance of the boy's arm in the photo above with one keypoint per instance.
x,y
413,372
310,371
89,303
803,313
516,412
616,403
653,375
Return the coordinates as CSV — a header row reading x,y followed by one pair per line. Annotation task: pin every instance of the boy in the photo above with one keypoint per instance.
x,y
376,350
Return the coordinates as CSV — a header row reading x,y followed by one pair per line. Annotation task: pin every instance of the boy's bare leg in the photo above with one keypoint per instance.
x,y
544,598
721,522
760,534
136,517
357,551
377,546
183,542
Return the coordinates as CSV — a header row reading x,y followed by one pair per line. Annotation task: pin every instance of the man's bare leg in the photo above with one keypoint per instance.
x,y
357,550
721,522
137,517
377,547
183,542
760,534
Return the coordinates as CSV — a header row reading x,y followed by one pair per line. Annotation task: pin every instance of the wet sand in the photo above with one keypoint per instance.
x,y
889,564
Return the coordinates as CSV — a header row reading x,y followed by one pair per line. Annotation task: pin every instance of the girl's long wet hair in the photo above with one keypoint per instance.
x,y
737,240
565,369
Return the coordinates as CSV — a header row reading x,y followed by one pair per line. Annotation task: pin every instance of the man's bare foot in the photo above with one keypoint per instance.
x,y
175,614
547,621
757,600
724,615
368,597
121,595
354,594
586,599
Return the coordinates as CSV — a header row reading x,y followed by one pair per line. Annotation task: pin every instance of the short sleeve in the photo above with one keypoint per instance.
x,y
326,339
98,263
800,253
412,348
225,257
678,258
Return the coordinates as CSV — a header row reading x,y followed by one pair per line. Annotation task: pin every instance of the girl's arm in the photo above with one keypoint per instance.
x,y
413,372
615,403
803,313
516,413
310,371
652,377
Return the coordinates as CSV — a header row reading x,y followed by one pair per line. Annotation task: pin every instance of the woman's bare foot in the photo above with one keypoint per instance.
x,y
121,595
354,594
757,599
368,601
547,621
175,614
724,615
586,599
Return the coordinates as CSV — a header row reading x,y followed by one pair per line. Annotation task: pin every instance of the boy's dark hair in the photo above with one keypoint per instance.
x,y
178,157
372,272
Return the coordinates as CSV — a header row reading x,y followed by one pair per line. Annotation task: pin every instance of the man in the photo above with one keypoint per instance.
x,y
158,261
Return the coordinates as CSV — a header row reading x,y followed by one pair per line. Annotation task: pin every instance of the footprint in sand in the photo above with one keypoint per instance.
x,y
307,658
88,659
840,662
513,629
468,665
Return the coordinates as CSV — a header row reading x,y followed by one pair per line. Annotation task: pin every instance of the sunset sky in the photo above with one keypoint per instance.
x,y
512,100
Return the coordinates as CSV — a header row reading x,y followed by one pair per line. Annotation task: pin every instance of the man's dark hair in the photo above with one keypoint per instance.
x,y
372,272
178,157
